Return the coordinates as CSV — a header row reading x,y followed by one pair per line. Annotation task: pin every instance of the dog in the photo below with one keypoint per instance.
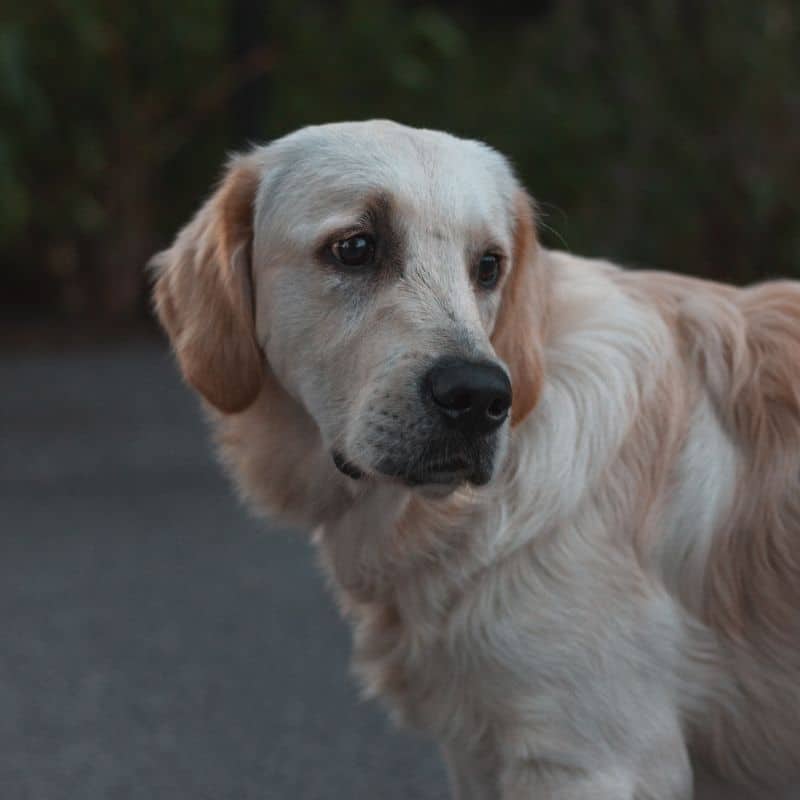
x,y
558,501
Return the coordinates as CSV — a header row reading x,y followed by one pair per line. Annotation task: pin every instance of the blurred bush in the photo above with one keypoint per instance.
x,y
664,132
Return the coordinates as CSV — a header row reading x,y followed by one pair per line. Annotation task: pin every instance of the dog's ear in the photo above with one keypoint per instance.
x,y
204,298
517,332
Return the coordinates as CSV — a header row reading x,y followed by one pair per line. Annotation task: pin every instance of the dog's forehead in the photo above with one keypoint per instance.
x,y
323,172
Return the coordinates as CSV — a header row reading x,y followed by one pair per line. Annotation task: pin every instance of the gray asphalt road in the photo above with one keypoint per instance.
x,y
156,641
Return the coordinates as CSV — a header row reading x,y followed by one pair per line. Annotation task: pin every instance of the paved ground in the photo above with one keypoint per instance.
x,y
156,642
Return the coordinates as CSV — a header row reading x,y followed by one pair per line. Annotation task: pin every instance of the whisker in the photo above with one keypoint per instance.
x,y
543,225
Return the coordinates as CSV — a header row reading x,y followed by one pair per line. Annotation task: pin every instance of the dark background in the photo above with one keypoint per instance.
x,y
664,132
157,641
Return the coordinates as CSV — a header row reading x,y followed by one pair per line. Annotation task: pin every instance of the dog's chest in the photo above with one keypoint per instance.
x,y
519,646
546,638
434,664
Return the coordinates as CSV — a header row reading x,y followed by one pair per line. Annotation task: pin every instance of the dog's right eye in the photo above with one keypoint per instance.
x,y
355,251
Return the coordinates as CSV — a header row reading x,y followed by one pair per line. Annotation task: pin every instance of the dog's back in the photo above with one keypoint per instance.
x,y
742,347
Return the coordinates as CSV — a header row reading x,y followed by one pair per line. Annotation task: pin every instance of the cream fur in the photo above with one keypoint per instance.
x,y
617,613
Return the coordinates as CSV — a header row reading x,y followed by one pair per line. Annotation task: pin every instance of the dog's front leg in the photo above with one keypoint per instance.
x,y
474,775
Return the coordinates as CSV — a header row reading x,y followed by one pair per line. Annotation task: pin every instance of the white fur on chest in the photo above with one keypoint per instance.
x,y
536,652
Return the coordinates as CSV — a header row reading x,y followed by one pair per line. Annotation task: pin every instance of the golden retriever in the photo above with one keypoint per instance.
x,y
559,501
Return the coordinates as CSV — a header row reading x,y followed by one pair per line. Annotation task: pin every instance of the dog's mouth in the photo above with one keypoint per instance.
x,y
451,472
454,471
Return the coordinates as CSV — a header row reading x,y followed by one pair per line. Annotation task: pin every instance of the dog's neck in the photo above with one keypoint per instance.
x,y
391,536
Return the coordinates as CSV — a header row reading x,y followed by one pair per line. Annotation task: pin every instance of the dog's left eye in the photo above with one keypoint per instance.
x,y
488,271
355,251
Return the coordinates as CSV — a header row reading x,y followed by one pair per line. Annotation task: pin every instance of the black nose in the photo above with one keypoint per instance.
x,y
473,397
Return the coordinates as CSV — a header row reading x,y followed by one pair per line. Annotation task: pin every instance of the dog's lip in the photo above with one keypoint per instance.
x,y
346,467
436,479
439,475
446,473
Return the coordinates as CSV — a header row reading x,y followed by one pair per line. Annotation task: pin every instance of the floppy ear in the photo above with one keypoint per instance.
x,y
203,294
517,331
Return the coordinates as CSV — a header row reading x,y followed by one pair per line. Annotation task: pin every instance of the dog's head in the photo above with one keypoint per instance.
x,y
386,277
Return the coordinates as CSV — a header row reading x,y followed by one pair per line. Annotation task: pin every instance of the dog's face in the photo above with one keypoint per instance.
x,y
379,263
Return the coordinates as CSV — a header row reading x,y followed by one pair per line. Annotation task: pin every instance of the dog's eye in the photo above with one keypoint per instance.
x,y
355,251
488,271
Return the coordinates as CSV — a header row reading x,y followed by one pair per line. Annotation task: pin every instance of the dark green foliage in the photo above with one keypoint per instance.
x,y
664,132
